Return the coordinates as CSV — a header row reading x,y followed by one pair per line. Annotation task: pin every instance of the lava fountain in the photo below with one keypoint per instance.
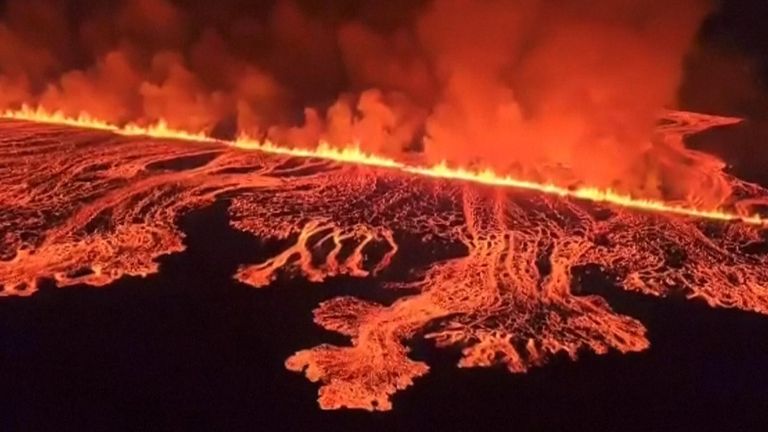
x,y
88,202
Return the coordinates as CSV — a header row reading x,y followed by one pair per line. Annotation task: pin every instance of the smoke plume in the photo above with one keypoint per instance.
x,y
560,91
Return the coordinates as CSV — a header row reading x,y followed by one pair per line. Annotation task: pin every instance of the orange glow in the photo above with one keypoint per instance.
x,y
89,209
348,154
352,154
546,170
488,177
43,115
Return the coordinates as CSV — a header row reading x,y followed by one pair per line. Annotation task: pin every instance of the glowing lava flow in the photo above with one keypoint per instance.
x,y
353,154
502,276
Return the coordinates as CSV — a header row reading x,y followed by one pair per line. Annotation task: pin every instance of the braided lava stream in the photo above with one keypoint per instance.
x,y
88,204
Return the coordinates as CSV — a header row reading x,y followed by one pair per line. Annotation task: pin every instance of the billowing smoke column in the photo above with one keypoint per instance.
x,y
557,91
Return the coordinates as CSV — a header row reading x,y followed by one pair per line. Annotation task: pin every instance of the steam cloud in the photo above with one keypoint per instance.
x,y
564,91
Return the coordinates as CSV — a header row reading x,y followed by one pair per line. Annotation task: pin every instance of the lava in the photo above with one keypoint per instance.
x,y
353,154
96,202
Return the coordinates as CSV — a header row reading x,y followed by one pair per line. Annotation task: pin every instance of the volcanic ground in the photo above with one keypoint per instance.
x,y
495,272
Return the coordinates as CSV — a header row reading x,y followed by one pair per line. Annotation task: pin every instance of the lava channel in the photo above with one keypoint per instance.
x,y
90,206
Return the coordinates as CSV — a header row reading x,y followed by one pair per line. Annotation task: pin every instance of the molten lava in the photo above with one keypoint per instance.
x,y
353,154
81,205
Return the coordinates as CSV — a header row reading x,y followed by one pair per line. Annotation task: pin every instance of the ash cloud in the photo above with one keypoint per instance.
x,y
562,91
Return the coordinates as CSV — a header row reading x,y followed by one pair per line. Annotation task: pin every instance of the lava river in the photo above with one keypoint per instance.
x,y
88,207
